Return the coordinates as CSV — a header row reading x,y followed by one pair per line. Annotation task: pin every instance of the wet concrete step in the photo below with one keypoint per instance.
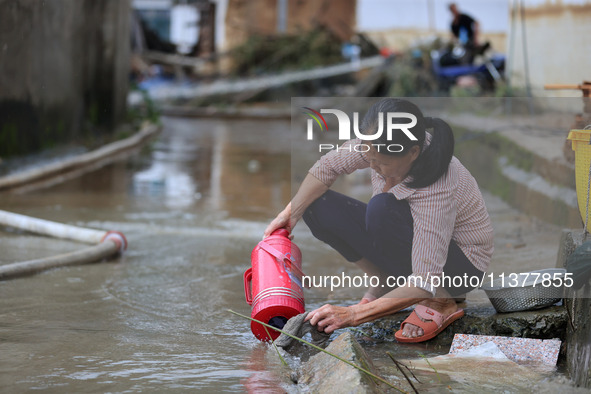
x,y
324,373
536,185
532,142
545,323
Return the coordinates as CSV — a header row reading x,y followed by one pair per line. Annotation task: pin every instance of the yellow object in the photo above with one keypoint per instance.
x,y
581,141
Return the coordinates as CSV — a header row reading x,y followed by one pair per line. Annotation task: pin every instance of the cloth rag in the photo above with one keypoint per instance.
x,y
297,327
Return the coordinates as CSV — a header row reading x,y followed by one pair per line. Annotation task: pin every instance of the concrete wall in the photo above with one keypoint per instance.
x,y
64,69
558,45
244,18
578,305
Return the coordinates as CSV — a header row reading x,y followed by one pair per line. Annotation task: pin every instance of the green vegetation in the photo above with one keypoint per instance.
x,y
261,54
145,111
8,138
504,90
410,74
465,91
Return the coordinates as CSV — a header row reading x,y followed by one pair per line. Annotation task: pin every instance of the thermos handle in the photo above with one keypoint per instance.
x,y
282,231
284,258
247,281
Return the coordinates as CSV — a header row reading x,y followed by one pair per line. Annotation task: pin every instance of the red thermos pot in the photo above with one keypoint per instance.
x,y
273,283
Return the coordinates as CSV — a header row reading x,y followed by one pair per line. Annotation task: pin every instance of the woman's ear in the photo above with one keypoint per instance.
x,y
414,152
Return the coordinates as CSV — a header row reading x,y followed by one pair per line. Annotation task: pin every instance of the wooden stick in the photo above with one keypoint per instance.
x,y
563,86
402,371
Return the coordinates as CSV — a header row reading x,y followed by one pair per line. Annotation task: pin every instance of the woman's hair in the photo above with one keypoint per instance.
x,y
432,162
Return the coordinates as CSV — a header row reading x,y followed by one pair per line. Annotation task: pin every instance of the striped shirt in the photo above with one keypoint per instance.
x,y
450,208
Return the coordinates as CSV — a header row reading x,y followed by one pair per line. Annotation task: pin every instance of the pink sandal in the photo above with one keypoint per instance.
x,y
434,325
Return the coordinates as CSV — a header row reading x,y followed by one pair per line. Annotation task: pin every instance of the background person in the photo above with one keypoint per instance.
x,y
463,27
426,217
465,32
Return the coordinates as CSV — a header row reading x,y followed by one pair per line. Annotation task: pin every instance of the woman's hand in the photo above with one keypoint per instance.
x,y
284,220
310,189
328,318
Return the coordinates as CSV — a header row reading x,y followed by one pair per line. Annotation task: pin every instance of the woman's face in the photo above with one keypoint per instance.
x,y
396,167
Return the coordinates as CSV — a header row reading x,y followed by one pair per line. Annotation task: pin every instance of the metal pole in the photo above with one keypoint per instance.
x,y
281,16
431,14
511,52
525,57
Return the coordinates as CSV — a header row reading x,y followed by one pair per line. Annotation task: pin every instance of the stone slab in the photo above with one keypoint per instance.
x,y
515,349
454,373
323,373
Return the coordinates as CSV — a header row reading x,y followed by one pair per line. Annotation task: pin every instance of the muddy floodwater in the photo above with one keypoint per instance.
x,y
192,204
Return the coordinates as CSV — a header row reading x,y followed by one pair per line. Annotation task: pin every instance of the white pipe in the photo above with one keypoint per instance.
x,y
53,229
83,160
107,244
88,255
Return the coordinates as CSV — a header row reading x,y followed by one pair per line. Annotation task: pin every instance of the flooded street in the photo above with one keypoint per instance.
x,y
156,318
192,205
169,134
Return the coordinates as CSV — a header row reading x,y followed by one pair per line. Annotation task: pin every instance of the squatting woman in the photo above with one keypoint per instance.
x,y
426,220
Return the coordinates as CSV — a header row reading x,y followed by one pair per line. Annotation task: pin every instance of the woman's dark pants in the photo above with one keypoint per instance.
x,y
381,231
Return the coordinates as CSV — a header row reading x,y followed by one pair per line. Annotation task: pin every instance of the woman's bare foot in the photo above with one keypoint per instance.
x,y
445,306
